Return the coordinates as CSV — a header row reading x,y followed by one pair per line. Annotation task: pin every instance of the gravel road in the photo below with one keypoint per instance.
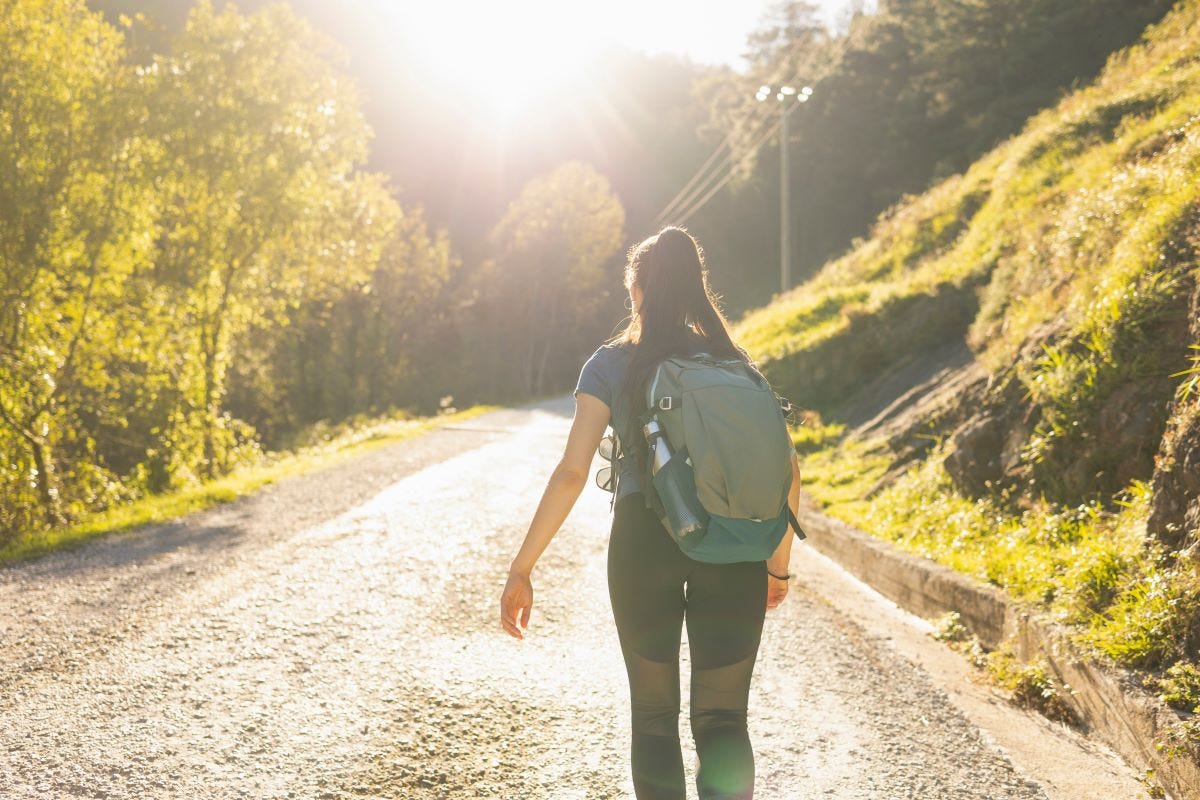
x,y
336,636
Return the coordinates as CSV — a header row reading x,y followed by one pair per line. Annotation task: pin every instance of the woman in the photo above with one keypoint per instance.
x,y
653,586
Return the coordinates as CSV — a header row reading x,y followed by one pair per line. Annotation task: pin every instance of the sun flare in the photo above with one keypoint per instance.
x,y
500,56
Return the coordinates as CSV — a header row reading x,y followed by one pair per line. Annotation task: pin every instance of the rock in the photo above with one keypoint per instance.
x,y
975,462
987,447
1175,505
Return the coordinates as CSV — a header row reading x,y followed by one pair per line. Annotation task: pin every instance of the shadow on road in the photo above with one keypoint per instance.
x,y
561,406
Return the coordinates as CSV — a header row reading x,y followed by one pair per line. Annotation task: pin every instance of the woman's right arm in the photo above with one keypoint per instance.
x,y
563,489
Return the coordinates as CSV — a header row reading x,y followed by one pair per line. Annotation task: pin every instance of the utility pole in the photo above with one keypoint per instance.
x,y
785,197
784,96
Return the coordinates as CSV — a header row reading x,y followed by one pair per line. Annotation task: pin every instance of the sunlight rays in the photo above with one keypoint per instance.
x,y
499,57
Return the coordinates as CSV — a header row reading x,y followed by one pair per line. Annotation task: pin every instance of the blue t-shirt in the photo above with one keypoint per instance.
x,y
603,376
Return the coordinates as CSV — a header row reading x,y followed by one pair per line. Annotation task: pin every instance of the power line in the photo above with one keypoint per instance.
x,y
676,202
687,187
680,199
688,194
683,218
730,158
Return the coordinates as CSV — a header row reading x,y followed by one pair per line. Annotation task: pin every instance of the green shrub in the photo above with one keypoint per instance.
x,y
1181,687
1147,622
949,628
1031,685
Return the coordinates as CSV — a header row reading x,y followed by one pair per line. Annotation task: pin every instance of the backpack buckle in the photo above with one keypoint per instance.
x,y
665,404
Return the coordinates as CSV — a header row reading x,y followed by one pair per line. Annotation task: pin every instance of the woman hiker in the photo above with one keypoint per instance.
x,y
654,588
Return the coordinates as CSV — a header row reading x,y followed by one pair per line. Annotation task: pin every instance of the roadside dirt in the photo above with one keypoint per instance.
x,y
336,636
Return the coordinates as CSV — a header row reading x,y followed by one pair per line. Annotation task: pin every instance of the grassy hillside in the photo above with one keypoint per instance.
x,y
1060,458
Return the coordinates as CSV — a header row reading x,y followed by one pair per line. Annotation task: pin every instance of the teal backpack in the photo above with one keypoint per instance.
x,y
723,494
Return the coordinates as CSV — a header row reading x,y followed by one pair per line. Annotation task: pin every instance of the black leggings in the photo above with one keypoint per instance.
x,y
653,586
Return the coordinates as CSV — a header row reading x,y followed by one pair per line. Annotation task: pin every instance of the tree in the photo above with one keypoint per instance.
x,y
260,134
547,280
358,339
904,97
785,39
163,215
69,209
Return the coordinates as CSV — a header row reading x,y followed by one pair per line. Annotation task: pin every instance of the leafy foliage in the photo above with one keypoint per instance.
x,y
163,216
1032,685
70,248
1181,687
905,97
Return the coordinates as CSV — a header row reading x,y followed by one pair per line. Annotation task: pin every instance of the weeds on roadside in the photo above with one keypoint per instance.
x,y
1182,739
949,628
842,473
1153,789
1032,685
1181,687
1088,566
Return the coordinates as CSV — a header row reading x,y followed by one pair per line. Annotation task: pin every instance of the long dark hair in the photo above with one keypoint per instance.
x,y
677,307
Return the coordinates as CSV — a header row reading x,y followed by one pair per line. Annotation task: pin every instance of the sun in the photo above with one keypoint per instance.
x,y
501,56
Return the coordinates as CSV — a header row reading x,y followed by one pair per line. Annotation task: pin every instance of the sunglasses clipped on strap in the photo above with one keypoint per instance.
x,y
606,476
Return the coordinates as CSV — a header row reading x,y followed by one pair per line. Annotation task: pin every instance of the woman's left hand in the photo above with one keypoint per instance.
x,y
515,604
776,590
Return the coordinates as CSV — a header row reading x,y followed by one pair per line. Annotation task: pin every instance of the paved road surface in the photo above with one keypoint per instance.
x,y
336,636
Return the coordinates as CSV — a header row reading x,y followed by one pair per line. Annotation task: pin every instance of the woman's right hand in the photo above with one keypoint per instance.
x,y
515,604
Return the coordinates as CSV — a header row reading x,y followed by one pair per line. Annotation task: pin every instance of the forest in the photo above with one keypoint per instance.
x,y
220,227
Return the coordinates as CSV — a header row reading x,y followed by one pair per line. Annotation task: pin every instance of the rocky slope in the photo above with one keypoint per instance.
x,y
1029,330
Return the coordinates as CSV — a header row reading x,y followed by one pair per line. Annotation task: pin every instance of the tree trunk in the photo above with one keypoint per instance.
x,y
212,352
47,488
43,461
206,404
348,399
547,342
210,403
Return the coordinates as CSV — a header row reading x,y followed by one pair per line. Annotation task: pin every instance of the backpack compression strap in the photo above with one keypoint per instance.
x,y
795,523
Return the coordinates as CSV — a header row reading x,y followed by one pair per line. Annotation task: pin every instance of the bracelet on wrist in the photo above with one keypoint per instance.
x,y
784,577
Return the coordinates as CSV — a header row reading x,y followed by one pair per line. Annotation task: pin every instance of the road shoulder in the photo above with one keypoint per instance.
x,y
1066,764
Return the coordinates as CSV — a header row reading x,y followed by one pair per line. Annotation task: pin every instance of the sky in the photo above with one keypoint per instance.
x,y
713,32
505,54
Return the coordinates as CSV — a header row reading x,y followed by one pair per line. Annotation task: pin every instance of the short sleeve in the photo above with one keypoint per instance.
x,y
595,378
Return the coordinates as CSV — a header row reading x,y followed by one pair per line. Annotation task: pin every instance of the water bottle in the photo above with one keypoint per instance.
x,y
685,516
660,449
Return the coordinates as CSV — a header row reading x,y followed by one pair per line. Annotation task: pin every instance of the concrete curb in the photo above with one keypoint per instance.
x,y
1108,700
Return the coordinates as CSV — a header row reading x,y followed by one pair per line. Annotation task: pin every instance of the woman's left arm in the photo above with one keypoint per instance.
x,y
777,564
562,490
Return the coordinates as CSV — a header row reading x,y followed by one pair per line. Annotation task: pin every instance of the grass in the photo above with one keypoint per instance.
x,y
323,446
1090,567
1032,685
1065,259
842,475
812,434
